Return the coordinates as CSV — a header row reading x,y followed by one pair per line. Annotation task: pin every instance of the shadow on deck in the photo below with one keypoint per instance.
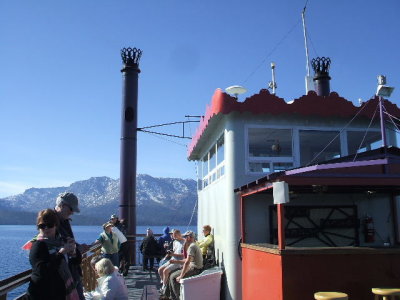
x,y
137,280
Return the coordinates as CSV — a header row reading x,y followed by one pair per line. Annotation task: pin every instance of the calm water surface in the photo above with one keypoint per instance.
x,y
14,260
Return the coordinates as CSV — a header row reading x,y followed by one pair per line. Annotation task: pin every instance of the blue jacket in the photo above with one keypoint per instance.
x,y
164,238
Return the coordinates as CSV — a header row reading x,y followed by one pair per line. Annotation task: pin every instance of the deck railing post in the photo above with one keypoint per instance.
x,y
281,227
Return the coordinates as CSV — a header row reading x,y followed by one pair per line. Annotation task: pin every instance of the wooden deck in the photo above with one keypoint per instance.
x,y
137,279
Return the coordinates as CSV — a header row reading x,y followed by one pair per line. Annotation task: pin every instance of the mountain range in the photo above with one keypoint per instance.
x,y
159,201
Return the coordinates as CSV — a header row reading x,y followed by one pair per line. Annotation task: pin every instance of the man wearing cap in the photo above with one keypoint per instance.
x,y
109,243
193,265
66,205
123,252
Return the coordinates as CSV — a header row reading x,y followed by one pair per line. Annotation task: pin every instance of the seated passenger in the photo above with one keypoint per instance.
x,y
207,241
176,256
193,265
110,285
164,241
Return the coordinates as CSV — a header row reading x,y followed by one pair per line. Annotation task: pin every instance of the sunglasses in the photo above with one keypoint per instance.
x,y
44,226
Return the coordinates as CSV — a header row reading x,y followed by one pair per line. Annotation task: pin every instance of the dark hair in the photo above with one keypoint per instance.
x,y
47,216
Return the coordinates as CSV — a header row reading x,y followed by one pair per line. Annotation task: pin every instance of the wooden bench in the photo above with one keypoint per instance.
x,y
150,292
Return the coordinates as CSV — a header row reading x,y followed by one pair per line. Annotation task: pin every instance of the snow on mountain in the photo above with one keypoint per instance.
x,y
159,200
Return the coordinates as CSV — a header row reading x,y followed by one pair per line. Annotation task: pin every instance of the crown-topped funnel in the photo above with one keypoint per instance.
x,y
321,65
131,56
321,77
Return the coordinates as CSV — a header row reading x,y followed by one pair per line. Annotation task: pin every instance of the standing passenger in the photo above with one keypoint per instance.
x,y
51,278
120,231
66,205
109,243
149,249
123,251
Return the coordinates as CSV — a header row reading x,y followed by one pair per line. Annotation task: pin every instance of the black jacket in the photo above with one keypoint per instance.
x,y
45,283
149,246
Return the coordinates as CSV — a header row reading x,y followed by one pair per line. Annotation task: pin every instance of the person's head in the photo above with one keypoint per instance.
x,y
67,204
94,261
114,219
206,230
123,222
108,227
149,232
104,267
189,236
47,222
166,230
176,235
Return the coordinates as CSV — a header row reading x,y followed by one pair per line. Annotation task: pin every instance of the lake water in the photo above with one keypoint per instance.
x,y
14,260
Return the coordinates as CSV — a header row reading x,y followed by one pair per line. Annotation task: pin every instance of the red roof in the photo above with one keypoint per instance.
x,y
307,105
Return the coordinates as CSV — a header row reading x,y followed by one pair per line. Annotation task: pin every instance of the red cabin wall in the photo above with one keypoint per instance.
x,y
354,274
298,276
261,275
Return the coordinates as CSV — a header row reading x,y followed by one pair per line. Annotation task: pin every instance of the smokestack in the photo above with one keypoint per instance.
x,y
321,76
127,207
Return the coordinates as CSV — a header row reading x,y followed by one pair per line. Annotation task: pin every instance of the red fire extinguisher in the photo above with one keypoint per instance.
x,y
369,229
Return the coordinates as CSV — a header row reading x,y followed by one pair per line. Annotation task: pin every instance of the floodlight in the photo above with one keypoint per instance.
x,y
383,90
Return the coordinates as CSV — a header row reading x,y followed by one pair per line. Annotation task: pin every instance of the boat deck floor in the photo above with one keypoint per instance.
x,y
137,279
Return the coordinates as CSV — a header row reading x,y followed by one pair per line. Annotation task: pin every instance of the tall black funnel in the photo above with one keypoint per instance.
x,y
127,207
321,76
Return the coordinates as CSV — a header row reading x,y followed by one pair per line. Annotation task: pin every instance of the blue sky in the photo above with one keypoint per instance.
x,y
60,80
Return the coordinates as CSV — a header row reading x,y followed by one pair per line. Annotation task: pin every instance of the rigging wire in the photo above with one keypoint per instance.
x,y
191,217
272,51
366,132
197,176
316,156
394,130
275,47
391,118
157,135
312,44
165,134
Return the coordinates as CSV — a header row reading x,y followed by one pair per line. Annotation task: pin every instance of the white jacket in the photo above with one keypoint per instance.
x,y
120,235
109,287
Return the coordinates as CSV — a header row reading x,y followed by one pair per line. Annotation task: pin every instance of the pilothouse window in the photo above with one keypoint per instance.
x,y
213,163
317,146
269,150
360,141
270,142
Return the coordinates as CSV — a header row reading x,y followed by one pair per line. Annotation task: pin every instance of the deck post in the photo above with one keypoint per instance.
x,y
127,207
281,227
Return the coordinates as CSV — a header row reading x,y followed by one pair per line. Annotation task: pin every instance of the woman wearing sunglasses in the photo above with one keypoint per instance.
x,y
49,256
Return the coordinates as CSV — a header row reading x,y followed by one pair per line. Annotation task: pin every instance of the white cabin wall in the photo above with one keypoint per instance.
x,y
219,208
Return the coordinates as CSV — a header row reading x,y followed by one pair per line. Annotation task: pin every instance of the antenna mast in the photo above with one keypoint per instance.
x,y
308,79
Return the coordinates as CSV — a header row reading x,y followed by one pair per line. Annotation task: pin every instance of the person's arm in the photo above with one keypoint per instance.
x,y
206,242
43,264
179,256
185,268
177,261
